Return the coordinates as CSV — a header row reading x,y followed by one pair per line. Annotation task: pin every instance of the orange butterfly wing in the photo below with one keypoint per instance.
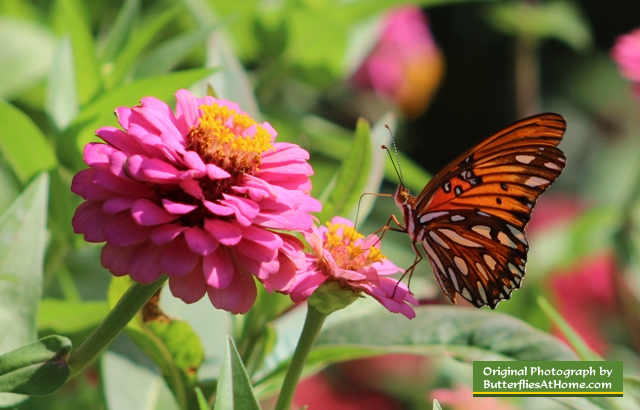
x,y
471,216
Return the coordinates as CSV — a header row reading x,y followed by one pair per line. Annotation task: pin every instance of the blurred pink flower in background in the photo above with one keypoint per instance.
x,y
198,195
405,66
584,294
586,298
626,53
342,254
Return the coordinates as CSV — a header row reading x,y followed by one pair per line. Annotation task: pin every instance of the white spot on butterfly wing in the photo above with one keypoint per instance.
x,y
536,181
466,294
514,269
432,255
482,230
525,159
552,165
457,218
460,240
491,263
438,240
482,271
517,233
454,279
432,215
461,265
506,241
482,292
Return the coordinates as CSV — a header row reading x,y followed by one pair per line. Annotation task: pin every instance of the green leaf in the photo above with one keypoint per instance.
x,y
350,179
364,329
202,401
30,49
86,68
436,405
61,100
171,343
169,54
574,339
61,316
231,82
561,20
380,136
130,385
139,40
234,387
121,29
36,369
23,144
100,112
22,244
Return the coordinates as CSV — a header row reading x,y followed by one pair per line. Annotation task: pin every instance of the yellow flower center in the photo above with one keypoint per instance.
x,y
342,242
229,139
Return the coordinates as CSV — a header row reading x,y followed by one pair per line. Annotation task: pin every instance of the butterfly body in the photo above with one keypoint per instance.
x,y
471,217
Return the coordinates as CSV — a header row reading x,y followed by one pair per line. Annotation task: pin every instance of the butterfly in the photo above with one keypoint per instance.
x,y
471,217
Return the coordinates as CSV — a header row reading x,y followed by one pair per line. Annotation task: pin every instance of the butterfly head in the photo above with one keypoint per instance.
x,y
402,196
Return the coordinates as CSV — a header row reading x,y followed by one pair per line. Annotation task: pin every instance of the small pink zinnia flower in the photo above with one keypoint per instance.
x,y
626,53
343,255
199,196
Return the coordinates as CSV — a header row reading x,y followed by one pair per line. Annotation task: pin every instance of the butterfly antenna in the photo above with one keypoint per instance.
x,y
398,168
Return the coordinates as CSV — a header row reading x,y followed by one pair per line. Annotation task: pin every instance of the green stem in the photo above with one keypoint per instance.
x,y
121,314
312,326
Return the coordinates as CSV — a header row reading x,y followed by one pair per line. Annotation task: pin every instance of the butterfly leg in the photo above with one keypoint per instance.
x,y
388,227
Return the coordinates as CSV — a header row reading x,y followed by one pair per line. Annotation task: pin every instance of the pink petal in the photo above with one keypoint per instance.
x,y
200,241
187,109
166,233
178,259
83,185
256,251
225,232
120,140
238,297
244,209
89,220
215,172
284,277
219,269
266,238
193,160
147,213
218,209
305,286
123,231
117,259
146,263
151,170
177,208
190,288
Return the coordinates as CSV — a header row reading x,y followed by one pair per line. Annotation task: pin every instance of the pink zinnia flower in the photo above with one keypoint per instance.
x,y
406,66
626,53
198,195
343,255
